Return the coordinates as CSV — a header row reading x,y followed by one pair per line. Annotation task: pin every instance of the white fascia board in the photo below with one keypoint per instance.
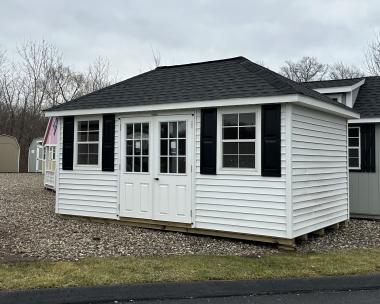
x,y
297,98
344,89
364,120
326,107
179,105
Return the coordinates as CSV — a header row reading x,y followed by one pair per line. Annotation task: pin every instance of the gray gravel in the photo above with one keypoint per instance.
x,y
29,229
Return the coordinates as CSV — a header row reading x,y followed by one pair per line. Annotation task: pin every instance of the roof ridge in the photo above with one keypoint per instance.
x,y
342,79
199,63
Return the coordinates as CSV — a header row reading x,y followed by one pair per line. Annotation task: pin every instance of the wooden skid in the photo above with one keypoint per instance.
x,y
282,243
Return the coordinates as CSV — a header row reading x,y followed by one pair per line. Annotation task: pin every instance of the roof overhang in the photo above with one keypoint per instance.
x,y
291,98
364,120
343,89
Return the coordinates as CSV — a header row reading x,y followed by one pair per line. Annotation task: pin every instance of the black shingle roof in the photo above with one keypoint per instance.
x,y
368,100
332,83
221,79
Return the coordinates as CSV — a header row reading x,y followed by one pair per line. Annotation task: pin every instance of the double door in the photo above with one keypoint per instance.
x,y
155,175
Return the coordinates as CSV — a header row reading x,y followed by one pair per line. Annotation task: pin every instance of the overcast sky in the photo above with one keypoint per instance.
x,y
188,31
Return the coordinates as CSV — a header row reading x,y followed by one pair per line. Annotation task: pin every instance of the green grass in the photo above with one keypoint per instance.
x,y
103,271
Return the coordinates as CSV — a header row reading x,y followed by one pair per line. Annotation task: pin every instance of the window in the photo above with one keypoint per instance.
x,y
354,147
173,147
239,140
88,142
137,147
50,158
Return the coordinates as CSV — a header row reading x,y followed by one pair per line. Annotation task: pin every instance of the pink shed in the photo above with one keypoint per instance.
x,y
51,134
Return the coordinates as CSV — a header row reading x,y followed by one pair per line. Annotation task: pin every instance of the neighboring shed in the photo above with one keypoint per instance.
x,y
224,148
50,143
9,154
35,156
364,140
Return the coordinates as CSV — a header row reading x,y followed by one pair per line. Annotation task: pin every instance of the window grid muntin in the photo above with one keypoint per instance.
x,y
139,162
354,148
239,140
92,158
169,162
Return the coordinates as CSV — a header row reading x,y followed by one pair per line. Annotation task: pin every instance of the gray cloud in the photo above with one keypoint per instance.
x,y
187,31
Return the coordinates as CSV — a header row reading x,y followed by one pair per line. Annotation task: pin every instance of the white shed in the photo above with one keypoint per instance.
x,y
224,147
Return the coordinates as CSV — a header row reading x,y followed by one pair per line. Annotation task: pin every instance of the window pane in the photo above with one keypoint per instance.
x,y
93,159
173,129
246,161
230,161
129,164
182,129
172,164
145,147
163,164
137,130
247,119
82,148
129,147
181,164
82,159
82,136
246,148
137,146
145,130
164,147
136,167
230,148
353,152
247,133
164,130
230,119
353,162
230,133
93,125
93,148
353,132
173,147
182,147
93,136
145,164
353,142
82,125
129,131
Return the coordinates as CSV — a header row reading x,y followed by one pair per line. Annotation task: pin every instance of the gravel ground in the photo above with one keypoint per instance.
x,y
30,230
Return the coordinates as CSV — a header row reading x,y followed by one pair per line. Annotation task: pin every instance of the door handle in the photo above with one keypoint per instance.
x,y
156,178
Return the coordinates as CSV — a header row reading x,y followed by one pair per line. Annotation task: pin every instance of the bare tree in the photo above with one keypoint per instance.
x,y
156,54
306,69
98,75
342,71
372,56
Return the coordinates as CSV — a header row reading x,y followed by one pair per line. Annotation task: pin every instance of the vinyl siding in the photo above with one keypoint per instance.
x,y
365,187
89,192
240,203
319,170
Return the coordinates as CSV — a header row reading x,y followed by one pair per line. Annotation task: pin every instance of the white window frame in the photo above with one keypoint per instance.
x,y
239,171
356,147
78,119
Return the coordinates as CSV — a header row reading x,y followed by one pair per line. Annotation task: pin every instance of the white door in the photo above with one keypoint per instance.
x,y
155,179
136,176
172,185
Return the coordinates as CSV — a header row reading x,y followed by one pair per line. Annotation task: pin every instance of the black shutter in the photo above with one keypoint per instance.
x,y
108,144
68,143
271,140
208,141
367,149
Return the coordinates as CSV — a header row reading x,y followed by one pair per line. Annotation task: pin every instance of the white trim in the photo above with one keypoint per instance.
x,y
88,167
364,120
356,147
241,171
288,170
315,103
340,89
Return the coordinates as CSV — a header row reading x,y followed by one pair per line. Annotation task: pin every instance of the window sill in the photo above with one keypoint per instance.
x,y
238,171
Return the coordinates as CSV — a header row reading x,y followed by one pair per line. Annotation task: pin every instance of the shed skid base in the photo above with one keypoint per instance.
x,y
321,232
282,243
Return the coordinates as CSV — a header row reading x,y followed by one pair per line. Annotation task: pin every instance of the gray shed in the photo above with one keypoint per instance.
x,y
9,154
35,155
